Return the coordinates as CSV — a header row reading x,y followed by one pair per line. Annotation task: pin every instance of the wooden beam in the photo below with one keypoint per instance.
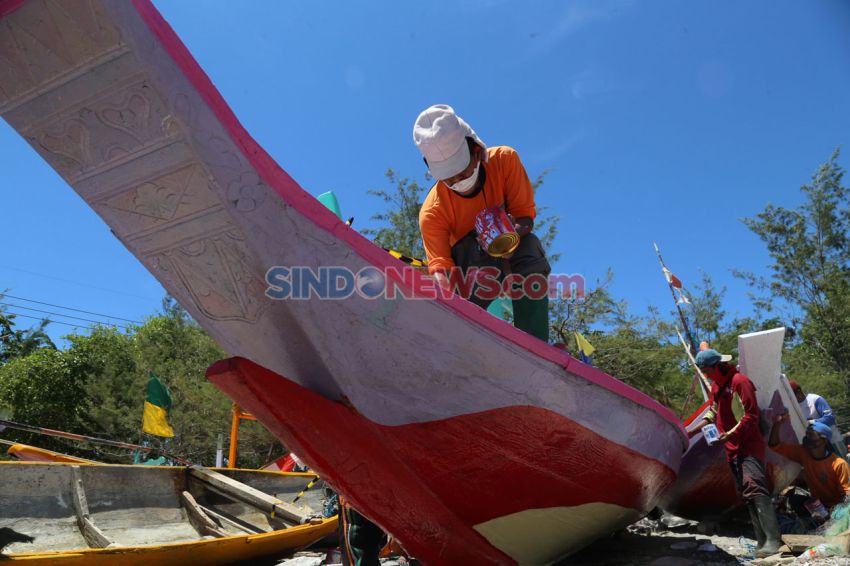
x,y
199,519
235,522
93,535
799,543
247,494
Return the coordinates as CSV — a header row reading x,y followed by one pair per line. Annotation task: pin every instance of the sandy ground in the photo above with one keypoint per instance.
x,y
682,543
669,542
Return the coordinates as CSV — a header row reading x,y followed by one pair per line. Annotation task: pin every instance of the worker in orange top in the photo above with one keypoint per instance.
x,y
470,177
827,476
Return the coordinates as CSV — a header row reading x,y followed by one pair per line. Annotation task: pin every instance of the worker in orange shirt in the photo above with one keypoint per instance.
x,y
471,177
827,476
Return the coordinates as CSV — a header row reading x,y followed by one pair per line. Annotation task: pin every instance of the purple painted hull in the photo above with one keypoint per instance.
x,y
705,489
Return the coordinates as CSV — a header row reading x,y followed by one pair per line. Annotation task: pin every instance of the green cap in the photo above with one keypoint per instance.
x,y
709,358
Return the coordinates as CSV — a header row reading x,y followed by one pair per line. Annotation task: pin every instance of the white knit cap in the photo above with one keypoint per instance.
x,y
440,135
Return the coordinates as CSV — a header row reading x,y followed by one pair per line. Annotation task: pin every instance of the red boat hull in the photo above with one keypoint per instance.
x,y
438,484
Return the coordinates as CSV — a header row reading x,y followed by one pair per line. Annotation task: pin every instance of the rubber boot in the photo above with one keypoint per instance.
x,y
769,524
365,540
532,316
754,519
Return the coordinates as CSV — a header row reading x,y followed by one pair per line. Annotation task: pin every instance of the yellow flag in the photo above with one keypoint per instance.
x,y
157,406
585,349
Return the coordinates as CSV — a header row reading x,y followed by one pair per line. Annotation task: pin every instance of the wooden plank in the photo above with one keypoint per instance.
x,y
247,494
199,519
275,522
799,543
235,522
93,535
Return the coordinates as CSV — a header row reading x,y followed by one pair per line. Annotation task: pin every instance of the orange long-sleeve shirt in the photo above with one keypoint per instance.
x,y
828,479
446,217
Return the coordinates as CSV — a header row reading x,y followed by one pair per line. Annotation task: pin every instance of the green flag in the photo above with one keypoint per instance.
x,y
157,407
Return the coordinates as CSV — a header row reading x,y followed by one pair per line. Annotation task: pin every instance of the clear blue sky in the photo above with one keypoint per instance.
x,y
659,121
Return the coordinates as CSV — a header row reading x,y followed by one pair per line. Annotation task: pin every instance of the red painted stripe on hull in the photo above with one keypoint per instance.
x,y
544,459
9,6
429,483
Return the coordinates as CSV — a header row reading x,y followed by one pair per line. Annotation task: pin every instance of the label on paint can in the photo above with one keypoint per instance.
x,y
817,509
710,433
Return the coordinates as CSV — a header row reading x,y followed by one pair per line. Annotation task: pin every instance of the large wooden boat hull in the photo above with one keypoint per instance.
x,y
531,482
704,488
113,101
142,512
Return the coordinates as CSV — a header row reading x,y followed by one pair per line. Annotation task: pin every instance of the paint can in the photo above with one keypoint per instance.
x,y
496,234
816,509
710,433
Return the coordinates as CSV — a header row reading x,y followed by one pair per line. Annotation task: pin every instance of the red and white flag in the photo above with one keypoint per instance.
x,y
672,279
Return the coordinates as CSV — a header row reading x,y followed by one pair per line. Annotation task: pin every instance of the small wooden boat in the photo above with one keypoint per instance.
x,y
704,488
467,439
125,515
27,453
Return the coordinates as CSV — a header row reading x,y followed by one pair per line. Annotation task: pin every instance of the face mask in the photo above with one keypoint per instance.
x,y
468,183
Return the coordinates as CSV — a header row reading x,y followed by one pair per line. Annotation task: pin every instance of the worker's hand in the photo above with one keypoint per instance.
x,y
442,279
723,436
522,225
781,417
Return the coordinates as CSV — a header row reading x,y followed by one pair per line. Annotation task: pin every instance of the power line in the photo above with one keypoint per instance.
x,y
64,315
69,308
52,321
74,282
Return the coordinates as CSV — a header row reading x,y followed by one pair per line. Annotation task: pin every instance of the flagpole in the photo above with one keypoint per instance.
x,y
703,381
693,343
690,345
72,436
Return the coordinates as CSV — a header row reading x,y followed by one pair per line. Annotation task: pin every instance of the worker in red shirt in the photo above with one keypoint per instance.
x,y
732,392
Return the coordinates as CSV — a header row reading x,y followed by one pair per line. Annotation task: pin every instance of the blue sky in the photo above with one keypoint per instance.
x,y
658,121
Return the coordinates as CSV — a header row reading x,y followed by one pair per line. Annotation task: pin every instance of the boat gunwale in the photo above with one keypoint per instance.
x,y
249,538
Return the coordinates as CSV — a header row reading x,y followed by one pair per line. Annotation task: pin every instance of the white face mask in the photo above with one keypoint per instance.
x,y
466,184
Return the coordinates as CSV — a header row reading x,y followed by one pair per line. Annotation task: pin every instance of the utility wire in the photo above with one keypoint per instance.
x,y
65,315
69,308
51,321
74,282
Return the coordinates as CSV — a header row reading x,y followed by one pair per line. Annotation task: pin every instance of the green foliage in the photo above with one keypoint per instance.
x,y
638,357
16,342
44,388
809,282
545,224
706,313
401,218
581,314
97,387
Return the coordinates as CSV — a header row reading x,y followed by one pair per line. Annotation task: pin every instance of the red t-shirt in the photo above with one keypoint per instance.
x,y
729,394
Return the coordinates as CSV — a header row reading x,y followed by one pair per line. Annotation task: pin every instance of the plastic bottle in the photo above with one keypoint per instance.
x,y
819,551
711,433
